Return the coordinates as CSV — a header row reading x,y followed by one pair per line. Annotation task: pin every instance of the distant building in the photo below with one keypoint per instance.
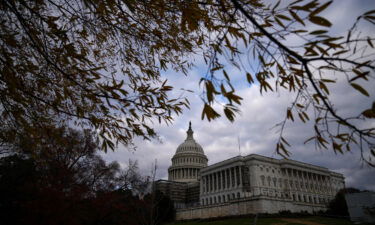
x,y
361,207
244,184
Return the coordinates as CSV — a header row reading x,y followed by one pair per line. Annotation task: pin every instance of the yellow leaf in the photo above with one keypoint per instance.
x,y
360,89
320,21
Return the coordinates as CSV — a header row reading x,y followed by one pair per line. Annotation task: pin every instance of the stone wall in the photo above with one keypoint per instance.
x,y
243,207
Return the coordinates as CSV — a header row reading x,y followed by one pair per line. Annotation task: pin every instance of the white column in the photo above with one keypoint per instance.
x,y
239,169
201,187
217,181
223,177
230,177
209,183
221,180
235,176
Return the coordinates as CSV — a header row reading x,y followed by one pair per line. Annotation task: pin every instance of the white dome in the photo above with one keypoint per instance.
x,y
188,160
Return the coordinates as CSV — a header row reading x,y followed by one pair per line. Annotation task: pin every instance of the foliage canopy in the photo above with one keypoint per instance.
x,y
99,63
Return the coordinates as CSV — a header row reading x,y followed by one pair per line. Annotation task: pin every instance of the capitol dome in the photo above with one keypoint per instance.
x,y
188,160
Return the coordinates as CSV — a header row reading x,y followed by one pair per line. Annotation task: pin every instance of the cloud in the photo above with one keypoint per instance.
x,y
254,130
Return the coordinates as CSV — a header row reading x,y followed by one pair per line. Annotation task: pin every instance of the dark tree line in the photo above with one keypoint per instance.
x,y
72,184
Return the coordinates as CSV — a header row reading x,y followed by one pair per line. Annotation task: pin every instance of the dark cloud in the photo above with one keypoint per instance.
x,y
255,127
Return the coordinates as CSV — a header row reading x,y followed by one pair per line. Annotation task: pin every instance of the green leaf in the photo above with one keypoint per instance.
x,y
369,113
369,42
323,87
249,78
328,81
289,114
360,89
229,114
296,17
226,75
320,9
317,32
209,112
320,21
283,17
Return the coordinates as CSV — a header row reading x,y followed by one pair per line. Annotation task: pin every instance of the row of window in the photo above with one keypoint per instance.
x,y
296,173
184,173
309,199
278,182
188,148
188,160
270,169
220,199
296,197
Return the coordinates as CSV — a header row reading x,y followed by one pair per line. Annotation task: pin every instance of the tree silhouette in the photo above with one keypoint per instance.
x,y
69,184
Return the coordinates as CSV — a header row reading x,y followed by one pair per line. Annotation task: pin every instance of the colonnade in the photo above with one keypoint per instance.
x,y
184,173
221,180
307,181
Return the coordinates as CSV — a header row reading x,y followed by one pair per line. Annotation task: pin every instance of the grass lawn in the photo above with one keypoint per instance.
x,y
271,221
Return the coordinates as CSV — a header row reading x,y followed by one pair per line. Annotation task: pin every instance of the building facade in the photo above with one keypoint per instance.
x,y
244,184
256,175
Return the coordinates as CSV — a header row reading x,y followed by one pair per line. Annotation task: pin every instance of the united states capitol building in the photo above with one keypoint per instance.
x,y
244,184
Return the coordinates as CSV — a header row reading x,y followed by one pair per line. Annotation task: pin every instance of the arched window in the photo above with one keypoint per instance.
x,y
262,178
219,199
228,197
215,199
238,195
233,196
223,198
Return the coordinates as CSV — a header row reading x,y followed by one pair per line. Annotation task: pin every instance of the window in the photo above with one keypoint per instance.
x,y
238,195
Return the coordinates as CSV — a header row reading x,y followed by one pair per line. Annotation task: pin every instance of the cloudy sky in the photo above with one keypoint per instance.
x,y
254,130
